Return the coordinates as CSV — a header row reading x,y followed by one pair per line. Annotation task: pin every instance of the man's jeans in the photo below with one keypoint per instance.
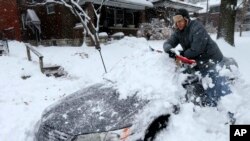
x,y
220,87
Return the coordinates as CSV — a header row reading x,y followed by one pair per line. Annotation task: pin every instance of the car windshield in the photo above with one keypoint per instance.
x,y
94,109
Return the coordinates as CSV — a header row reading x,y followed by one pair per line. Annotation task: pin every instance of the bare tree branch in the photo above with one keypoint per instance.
x,y
88,25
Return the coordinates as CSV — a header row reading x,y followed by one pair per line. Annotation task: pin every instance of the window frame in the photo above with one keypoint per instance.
x,y
50,8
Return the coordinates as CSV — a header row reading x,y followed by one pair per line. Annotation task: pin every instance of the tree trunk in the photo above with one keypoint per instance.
x,y
91,14
227,21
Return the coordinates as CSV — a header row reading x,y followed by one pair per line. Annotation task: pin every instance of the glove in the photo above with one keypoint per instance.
x,y
182,53
171,54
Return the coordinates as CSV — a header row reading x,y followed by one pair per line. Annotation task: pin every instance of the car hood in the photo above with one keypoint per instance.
x,y
94,109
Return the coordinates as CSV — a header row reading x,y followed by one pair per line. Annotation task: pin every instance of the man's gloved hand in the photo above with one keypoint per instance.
x,y
182,53
171,54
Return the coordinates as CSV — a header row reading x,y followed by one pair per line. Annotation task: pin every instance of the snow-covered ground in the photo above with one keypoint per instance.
x,y
133,67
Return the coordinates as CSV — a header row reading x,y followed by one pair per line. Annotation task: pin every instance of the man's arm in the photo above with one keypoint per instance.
x,y
199,41
172,42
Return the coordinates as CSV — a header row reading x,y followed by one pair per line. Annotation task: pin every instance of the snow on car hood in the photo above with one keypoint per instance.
x,y
94,109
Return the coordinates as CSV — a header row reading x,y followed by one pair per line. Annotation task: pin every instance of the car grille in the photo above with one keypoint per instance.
x,y
47,133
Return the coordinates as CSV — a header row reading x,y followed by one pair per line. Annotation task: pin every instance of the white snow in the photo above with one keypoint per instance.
x,y
103,34
134,68
118,34
142,2
138,2
78,26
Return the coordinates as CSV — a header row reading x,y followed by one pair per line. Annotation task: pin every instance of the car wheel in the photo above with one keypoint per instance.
x,y
157,125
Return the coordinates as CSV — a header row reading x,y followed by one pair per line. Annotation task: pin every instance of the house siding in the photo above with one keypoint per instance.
x,y
58,25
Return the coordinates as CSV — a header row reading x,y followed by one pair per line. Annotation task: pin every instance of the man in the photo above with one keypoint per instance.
x,y
199,46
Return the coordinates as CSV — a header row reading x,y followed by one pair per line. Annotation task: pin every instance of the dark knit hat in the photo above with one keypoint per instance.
x,y
182,12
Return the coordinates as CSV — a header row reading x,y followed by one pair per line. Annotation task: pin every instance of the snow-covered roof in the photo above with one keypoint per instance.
x,y
32,17
176,4
130,4
140,2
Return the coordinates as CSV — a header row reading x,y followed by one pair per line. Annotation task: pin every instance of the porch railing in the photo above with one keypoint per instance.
x,y
54,70
39,55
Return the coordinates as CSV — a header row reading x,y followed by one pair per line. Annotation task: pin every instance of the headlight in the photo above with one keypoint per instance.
x,y
117,135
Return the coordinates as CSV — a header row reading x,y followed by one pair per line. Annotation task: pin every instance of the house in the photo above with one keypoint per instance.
x,y
9,20
47,23
121,15
165,9
54,24
211,16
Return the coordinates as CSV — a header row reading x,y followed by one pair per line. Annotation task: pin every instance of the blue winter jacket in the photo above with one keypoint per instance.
x,y
196,44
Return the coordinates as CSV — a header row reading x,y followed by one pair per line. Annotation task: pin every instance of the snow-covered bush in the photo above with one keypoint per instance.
x,y
210,28
155,30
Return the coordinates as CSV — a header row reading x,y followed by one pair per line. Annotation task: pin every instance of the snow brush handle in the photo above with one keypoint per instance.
x,y
181,58
185,60
152,49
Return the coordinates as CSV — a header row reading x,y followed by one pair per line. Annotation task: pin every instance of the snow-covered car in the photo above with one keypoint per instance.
x,y
96,113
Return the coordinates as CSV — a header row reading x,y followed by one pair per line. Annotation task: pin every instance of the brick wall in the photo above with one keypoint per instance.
x,y
9,20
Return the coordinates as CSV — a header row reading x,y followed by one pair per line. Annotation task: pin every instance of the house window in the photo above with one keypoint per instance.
x,y
119,16
115,17
50,8
129,18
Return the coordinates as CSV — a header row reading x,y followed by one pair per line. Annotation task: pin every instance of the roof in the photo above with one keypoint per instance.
x,y
32,17
176,4
130,4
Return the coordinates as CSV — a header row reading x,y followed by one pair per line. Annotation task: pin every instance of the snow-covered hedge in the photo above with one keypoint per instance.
x,y
155,30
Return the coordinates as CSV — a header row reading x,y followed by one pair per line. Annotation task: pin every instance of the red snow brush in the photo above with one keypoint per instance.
x,y
185,60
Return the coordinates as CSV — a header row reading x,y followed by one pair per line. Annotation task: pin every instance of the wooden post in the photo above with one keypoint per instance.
x,y
41,63
7,46
240,30
28,53
39,55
